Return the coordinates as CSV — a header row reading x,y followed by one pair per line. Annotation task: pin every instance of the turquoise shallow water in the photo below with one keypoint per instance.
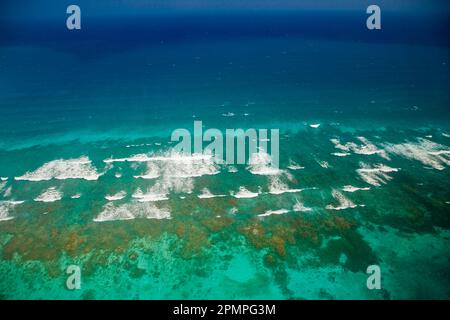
x,y
88,177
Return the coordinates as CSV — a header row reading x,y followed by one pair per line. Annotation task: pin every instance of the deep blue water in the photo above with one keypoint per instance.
x,y
145,69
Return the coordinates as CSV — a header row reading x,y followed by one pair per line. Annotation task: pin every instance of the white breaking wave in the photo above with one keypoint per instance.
x,y
244,193
131,211
260,163
365,148
232,169
340,154
118,196
76,196
228,114
206,194
315,125
344,203
118,175
425,151
49,195
276,186
349,188
174,173
299,207
174,164
196,165
3,178
376,175
323,164
338,145
446,135
271,212
80,168
294,166
138,145
6,208
151,196
133,158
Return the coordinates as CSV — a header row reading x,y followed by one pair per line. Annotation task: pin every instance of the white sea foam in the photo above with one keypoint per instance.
x,y
260,163
152,195
80,168
427,152
272,212
344,203
340,154
206,194
131,211
323,164
299,207
196,165
173,164
276,186
368,148
118,196
289,176
294,166
3,178
349,188
446,135
174,172
232,169
14,202
338,145
5,212
439,153
7,192
118,175
6,209
2,185
76,196
375,175
315,125
50,195
138,145
153,171
365,148
244,193
133,158
233,210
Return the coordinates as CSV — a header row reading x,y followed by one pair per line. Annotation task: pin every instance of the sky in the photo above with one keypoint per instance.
x,y
13,9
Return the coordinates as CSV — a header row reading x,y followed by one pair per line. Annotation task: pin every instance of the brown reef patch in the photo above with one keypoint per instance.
x,y
216,224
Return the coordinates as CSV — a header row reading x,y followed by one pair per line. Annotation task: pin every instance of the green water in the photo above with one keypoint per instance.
x,y
221,247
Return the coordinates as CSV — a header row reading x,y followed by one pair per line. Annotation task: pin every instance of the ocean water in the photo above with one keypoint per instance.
x,y
88,176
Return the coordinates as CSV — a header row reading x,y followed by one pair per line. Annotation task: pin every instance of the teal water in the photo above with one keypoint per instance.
x,y
370,185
